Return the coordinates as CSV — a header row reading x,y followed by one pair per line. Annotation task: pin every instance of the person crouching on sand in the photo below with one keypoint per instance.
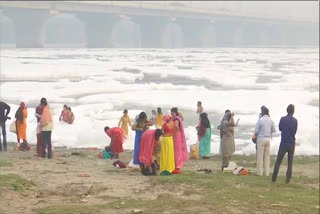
x,y
116,135
149,150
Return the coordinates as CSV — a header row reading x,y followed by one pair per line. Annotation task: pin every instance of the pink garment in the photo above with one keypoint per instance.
x,y
64,115
180,145
146,148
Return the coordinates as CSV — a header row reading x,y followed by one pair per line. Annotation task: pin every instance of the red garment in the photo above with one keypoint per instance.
x,y
39,145
116,135
146,148
201,133
166,129
39,111
64,115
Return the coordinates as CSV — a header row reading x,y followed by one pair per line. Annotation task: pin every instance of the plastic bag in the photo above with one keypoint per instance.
x,y
194,151
13,127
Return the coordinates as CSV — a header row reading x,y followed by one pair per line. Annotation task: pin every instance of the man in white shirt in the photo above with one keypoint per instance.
x,y
264,129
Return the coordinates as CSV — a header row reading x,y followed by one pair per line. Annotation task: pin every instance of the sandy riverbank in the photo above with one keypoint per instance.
x,y
59,185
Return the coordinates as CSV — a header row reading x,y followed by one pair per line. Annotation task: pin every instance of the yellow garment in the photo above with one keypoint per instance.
x,y
159,120
167,155
125,121
48,126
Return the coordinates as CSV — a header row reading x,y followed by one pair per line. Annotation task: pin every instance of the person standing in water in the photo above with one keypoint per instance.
x,y
124,123
64,114
70,116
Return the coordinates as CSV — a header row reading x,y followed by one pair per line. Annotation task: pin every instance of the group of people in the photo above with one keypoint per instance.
x,y
165,147
44,127
67,115
262,136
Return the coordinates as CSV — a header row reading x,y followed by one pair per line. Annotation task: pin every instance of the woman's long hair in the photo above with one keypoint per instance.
x,y
175,110
19,113
142,117
205,123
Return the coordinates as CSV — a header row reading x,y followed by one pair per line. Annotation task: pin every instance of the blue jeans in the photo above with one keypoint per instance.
x,y
4,134
46,141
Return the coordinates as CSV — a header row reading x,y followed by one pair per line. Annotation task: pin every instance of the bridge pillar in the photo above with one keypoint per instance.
x,y
173,35
209,36
151,30
30,26
98,28
198,33
239,35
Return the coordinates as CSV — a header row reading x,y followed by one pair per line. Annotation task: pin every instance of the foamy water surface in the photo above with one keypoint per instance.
x,y
99,83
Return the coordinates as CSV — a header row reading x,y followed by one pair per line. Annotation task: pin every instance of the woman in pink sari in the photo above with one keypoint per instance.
x,y
147,151
180,145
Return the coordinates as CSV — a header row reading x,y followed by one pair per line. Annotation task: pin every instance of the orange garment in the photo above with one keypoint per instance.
x,y
46,116
22,127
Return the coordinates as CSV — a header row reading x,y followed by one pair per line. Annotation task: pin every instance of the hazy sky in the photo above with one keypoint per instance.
x,y
298,9
302,10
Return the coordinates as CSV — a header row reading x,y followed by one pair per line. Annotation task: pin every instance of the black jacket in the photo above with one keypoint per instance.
x,y
4,112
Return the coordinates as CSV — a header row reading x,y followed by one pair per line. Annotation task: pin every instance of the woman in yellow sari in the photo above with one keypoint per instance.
x,y
125,123
167,148
159,118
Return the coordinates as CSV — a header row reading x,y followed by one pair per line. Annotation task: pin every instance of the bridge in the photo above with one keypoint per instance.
x,y
157,24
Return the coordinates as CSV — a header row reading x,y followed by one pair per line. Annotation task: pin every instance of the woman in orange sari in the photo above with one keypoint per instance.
x,y
21,122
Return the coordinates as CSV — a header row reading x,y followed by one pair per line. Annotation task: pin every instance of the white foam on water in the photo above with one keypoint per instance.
x,y
95,82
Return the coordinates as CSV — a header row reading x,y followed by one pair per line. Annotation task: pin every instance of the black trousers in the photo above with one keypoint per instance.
x,y
46,141
4,134
282,151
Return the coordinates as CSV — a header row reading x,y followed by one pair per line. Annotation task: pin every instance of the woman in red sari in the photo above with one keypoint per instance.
x,y
116,135
149,143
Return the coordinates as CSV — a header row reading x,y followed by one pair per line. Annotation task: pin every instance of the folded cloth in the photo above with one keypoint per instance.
x,y
165,173
176,171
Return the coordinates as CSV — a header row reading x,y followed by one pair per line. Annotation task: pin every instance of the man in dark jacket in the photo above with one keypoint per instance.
x,y
4,112
288,126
